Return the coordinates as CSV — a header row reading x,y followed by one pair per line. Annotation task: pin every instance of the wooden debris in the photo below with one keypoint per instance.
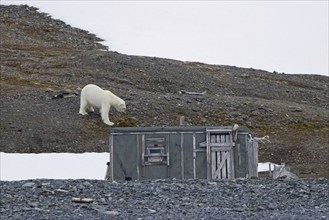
x,y
82,200
262,139
192,93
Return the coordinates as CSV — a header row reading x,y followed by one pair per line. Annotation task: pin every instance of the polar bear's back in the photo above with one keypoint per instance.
x,y
93,94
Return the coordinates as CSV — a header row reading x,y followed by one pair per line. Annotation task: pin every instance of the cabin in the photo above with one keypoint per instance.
x,y
182,152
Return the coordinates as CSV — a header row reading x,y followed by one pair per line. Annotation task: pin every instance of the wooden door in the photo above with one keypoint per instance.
x,y
221,155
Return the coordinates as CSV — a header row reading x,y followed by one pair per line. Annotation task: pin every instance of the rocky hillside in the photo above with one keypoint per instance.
x,y
41,57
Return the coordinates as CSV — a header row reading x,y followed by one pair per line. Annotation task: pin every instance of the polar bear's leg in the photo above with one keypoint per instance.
x,y
91,108
83,107
105,115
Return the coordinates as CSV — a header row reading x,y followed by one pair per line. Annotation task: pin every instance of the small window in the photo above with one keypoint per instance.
x,y
155,151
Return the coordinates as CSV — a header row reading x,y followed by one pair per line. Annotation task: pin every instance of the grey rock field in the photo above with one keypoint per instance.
x,y
166,199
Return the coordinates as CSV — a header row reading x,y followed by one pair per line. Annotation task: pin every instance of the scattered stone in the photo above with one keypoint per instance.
x,y
152,210
61,191
28,184
111,212
212,183
65,94
178,199
295,109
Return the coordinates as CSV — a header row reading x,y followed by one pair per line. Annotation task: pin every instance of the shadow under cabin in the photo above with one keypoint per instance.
x,y
182,152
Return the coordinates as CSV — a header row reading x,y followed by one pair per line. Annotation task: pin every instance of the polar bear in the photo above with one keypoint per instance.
x,y
94,96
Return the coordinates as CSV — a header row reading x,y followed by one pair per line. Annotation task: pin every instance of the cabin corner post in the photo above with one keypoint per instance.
x,y
208,155
109,169
252,151
182,155
138,157
255,151
194,156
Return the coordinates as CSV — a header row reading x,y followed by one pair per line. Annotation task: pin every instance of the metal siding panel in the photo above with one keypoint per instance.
x,y
174,151
124,157
155,172
241,163
201,157
188,156
138,157
201,165
182,155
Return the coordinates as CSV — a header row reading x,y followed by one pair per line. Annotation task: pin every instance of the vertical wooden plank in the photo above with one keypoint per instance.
x,y
208,154
213,138
237,161
182,155
181,120
224,168
168,155
111,160
249,156
108,173
138,160
212,158
255,148
232,166
270,169
213,165
218,140
217,172
252,166
223,160
219,167
143,153
230,161
244,160
229,165
219,158
194,156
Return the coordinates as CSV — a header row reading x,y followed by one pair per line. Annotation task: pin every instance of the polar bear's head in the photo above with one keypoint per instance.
x,y
121,107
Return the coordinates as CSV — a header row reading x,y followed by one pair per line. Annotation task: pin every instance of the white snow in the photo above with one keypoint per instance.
x,y
53,166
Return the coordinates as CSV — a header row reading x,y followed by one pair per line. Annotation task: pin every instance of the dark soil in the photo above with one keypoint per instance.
x,y
40,57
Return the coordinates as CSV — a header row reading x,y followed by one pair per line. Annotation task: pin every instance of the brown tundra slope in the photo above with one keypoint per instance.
x,y
40,56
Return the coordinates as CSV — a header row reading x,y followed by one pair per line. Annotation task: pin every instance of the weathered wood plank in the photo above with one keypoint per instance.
x,y
219,144
221,148
223,164
214,165
229,164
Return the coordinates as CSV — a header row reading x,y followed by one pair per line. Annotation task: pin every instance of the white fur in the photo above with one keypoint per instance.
x,y
94,96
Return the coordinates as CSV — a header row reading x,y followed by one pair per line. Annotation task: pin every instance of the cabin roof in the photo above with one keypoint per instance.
x,y
170,129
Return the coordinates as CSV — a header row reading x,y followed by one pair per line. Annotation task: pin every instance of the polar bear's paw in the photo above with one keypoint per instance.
x,y
109,123
83,112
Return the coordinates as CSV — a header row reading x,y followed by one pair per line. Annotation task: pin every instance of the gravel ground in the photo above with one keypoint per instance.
x,y
166,199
